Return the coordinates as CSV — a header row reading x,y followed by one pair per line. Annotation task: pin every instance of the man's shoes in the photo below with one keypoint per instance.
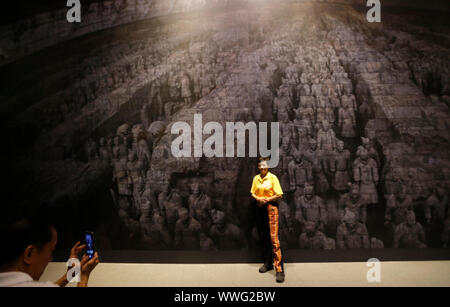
x,y
280,276
265,268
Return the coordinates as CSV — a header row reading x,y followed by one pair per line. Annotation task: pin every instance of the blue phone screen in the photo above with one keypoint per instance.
x,y
89,245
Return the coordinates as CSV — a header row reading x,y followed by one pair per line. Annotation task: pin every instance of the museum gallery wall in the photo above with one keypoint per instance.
x,y
363,109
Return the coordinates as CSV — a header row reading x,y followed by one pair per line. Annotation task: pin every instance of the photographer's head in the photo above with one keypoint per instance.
x,y
28,246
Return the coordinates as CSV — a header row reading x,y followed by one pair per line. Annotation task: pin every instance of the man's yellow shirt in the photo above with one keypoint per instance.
x,y
267,186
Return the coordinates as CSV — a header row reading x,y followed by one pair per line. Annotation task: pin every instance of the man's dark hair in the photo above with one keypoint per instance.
x,y
262,159
19,234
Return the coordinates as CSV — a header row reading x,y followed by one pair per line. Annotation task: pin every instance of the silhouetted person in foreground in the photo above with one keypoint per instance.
x,y
30,244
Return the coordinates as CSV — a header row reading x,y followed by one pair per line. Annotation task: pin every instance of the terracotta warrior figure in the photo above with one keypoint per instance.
x,y
187,231
312,238
340,167
397,207
351,233
170,203
354,203
365,172
300,172
347,121
226,236
310,207
314,156
409,234
200,207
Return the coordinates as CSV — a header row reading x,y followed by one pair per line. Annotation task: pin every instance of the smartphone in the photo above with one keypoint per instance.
x,y
89,240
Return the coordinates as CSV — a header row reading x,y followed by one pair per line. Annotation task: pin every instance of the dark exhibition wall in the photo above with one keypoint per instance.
x,y
87,110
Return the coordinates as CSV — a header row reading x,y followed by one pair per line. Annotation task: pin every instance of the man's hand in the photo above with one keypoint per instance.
x,y
261,201
87,266
76,250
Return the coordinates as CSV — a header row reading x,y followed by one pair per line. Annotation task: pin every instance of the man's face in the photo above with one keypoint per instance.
x,y
38,259
263,167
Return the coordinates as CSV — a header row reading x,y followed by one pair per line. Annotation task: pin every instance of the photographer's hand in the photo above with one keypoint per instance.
x,y
74,252
87,266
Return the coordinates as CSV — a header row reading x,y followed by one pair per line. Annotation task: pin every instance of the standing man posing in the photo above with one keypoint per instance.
x,y
266,190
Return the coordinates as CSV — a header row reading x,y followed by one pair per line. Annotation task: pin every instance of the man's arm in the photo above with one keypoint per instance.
x,y
74,252
273,198
278,192
62,282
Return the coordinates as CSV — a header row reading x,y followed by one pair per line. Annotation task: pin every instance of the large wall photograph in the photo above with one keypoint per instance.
x,y
88,112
